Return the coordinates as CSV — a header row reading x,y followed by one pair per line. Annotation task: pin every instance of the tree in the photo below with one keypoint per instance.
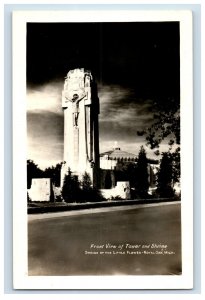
x,y
126,170
54,173
33,171
166,127
86,182
176,165
132,173
87,190
75,191
165,176
71,191
166,124
89,194
142,183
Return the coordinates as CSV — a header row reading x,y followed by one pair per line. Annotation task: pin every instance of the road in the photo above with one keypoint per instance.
x,y
138,240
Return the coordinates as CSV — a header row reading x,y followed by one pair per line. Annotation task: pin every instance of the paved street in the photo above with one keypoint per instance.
x,y
138,240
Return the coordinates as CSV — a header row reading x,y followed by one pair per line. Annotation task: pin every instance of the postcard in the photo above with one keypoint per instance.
x,y
102,158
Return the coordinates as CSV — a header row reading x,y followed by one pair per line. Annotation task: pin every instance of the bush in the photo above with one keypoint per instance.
x,y
80,192
90,194
116,198
58,198
71,191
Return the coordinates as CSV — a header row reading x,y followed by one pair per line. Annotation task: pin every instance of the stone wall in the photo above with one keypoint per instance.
x,y
41,189
122,190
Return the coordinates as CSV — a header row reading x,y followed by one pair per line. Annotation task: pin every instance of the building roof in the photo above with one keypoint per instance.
x,y
117,154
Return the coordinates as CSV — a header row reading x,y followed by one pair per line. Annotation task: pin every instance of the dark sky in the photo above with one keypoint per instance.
x,y
135,65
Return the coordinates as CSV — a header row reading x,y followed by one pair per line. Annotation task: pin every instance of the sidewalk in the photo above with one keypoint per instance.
x,y
33,217
93,205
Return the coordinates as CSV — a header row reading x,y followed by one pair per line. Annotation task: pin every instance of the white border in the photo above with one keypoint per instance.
x,y
21,279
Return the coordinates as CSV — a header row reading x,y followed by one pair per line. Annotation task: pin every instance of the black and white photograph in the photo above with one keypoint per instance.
x,y
104,148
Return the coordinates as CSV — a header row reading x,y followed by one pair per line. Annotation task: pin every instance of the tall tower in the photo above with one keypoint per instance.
x,y
81,134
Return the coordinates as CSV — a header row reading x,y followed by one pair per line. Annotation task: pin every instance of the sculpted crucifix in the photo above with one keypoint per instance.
x,y
76,98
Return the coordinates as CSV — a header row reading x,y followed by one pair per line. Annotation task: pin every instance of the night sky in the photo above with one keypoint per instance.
x,y
135,66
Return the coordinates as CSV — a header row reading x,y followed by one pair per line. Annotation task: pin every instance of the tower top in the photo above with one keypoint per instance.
x,y
77,73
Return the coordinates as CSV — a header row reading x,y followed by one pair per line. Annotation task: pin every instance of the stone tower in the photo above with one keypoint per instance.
x,y
81,135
